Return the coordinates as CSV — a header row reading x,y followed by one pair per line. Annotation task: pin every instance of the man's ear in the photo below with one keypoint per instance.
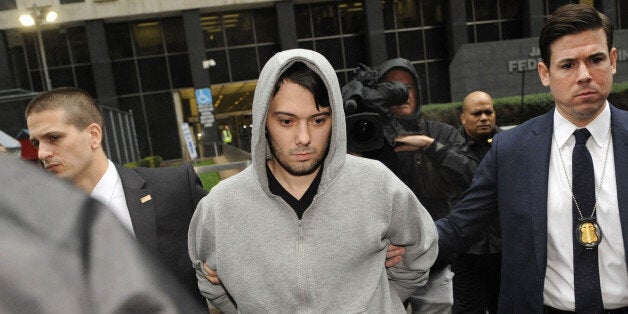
x,y
543,73
613,57
462,118
95,135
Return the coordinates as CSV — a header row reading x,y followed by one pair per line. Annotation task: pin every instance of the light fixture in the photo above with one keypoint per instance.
x,y
209,63
38,16
27,20
51,16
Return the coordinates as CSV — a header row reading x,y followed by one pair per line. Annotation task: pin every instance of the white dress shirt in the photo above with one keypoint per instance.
x,y
109,191
559,277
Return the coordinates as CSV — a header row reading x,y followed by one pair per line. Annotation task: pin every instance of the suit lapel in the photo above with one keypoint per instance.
x,y
619,121
538,148
141,207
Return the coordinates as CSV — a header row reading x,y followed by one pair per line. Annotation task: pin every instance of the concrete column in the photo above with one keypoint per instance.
x,y
533,18
456,26
101,64
609,8
196,47
7,80
200,76
286,25
375,36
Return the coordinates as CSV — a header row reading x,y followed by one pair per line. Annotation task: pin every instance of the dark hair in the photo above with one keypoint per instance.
x,y
299,73
80,107
572,19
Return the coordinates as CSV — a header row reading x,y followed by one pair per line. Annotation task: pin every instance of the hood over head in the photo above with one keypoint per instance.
x,y
401,63
260,150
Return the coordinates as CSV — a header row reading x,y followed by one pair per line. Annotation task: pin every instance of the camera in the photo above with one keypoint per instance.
x,y
366,104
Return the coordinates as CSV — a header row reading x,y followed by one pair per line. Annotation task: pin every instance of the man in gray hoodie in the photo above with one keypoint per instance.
x,y
308,228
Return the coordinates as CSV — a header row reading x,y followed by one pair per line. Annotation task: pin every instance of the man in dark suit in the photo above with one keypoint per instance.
x,y
155,204
64,252
550,263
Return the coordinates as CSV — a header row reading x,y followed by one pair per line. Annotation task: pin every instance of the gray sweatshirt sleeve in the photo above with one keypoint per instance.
x,y
411,226
202,248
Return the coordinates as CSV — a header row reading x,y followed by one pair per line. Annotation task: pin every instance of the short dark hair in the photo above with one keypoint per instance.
x,y
572,19
299,73
80,107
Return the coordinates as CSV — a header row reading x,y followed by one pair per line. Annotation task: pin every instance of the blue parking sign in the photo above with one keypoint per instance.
x,y
204,96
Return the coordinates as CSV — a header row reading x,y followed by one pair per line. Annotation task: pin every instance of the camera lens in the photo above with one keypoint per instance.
x,y
363,131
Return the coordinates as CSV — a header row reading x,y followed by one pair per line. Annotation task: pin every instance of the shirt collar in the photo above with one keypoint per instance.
x,y
106,185
598,128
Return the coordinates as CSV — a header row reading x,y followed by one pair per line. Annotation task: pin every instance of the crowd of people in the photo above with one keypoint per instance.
x,y
468,220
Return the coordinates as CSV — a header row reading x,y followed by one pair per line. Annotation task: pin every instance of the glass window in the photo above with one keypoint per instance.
x,y
212,31
411,45
510,9
153,74
391,45
56,47
266,25
37,77
352,17
331,49
174,35
436,39
147,38
238,28
325,20
119,40
265,53
243,64
180,71
78,44
512,30
485,10
302,19
32,52
162,125
622,8
487,32
220,72
389,14
61,77
433,12
85,79
407,14
354,51
439,81
135,104
7,5
125,76
552,5
306,44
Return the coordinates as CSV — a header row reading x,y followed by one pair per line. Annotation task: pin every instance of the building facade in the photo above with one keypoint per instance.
x,y
147,55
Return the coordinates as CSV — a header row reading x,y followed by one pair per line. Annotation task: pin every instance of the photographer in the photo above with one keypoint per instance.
x,y
431,158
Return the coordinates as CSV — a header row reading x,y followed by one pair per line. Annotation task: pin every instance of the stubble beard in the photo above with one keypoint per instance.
x,y
303,171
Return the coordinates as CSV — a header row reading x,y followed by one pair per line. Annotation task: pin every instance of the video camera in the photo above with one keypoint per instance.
x,y
366,104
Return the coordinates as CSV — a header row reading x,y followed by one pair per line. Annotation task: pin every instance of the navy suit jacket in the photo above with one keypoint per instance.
x,y
161,202
512,182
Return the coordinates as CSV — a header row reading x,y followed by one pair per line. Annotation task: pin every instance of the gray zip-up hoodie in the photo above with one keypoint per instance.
x,y
331,260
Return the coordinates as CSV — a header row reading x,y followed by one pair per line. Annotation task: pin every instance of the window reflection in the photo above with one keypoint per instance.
x,y
147,38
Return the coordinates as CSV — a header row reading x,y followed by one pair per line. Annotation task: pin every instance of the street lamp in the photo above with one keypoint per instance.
x,y
40,15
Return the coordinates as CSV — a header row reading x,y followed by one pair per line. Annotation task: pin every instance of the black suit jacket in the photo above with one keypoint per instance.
x,y
161,202
513,177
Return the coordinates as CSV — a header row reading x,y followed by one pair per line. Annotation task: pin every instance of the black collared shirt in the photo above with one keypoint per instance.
x,y
299,205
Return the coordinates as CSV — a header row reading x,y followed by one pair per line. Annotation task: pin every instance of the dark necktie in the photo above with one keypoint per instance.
x,y
586,273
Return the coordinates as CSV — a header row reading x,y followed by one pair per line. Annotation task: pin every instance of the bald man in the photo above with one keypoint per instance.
x,y
476,283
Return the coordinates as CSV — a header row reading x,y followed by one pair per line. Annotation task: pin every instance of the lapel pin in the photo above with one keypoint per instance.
x,y
145,199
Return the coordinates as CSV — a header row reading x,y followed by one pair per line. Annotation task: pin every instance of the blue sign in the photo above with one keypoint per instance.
x,y
204,96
